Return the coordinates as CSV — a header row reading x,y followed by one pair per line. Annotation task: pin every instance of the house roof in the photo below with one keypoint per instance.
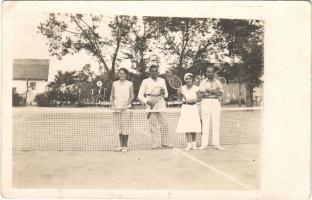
x,y
33,69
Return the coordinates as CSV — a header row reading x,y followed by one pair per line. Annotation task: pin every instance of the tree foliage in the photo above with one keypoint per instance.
x,y
244,42
184,44
72,33
188,42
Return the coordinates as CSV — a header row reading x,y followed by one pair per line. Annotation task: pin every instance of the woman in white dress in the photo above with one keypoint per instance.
x,y
121,98
189,121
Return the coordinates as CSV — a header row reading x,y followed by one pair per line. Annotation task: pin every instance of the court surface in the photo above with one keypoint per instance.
x,y
235,168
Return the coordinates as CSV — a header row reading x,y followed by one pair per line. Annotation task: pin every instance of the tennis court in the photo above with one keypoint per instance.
x,y
72,148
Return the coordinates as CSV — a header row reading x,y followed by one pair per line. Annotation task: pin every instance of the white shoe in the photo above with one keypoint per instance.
x,y
194,146
118,149
218,147
188,147
202,148
124,149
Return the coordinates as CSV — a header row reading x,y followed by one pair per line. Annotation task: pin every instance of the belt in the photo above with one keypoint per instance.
x,y
210,97
150,95
189,103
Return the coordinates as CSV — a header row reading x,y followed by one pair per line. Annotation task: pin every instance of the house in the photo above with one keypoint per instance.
x,y
232,92
30,77
258,93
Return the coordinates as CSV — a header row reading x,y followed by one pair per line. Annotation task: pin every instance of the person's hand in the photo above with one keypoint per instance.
x,y
162,91
124,108
212,91
150,103
191,101
208,90
113,106
216,92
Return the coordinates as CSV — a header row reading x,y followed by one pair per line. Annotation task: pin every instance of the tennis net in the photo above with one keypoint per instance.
x,y
93,129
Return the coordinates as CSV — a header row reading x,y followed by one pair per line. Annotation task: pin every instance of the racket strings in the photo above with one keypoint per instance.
x,y
175,82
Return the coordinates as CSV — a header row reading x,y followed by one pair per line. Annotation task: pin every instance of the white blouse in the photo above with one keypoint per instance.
x,y
190,93
122,92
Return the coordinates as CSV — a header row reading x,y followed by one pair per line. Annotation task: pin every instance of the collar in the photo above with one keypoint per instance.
x,y
188,87
154,80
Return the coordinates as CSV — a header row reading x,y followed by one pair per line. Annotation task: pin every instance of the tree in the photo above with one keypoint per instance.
x,y
85,75
72,33
62,89
245,43
63,78
188,41
140,50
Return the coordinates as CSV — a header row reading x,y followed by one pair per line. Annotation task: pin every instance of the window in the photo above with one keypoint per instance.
x,y
32,85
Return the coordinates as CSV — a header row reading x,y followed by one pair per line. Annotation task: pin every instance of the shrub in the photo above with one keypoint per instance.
x,y
18,99
42,99
67,97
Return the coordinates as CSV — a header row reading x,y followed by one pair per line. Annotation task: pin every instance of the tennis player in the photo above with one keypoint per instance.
x,y
189,121
161,139
211,92
121,97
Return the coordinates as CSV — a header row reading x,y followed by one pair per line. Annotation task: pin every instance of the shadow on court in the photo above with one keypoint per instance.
x,y
235,168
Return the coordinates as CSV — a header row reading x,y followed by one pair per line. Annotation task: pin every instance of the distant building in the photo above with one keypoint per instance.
x,y
232,92
258,94
30,77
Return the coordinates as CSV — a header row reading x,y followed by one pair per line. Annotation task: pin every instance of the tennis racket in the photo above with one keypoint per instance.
x,y
155,95
175,82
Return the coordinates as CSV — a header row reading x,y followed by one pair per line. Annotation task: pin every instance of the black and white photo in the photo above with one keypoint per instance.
x,y
137,101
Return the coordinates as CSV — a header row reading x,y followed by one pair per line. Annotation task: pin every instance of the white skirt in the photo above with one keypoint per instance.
x,y
189,120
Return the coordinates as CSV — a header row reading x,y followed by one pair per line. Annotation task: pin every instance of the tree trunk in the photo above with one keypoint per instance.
x,y
181,56
142,68
239,94
26,96
249,94
114,58
184,45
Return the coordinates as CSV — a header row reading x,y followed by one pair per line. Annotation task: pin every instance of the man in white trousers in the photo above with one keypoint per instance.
x,y
211,90
156,119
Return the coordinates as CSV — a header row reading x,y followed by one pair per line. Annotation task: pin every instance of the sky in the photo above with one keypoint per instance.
x,y
29,44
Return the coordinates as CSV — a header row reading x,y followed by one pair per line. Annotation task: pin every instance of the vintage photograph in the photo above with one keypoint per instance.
x,y
137,102
156,100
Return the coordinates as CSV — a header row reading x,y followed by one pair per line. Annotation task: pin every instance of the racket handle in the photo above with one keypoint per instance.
x,y
149,114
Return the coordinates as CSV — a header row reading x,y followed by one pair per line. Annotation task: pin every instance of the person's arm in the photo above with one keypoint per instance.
x,y
112,96
179,92
165,89
219,90
202,87
141,94
198,95
131,98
